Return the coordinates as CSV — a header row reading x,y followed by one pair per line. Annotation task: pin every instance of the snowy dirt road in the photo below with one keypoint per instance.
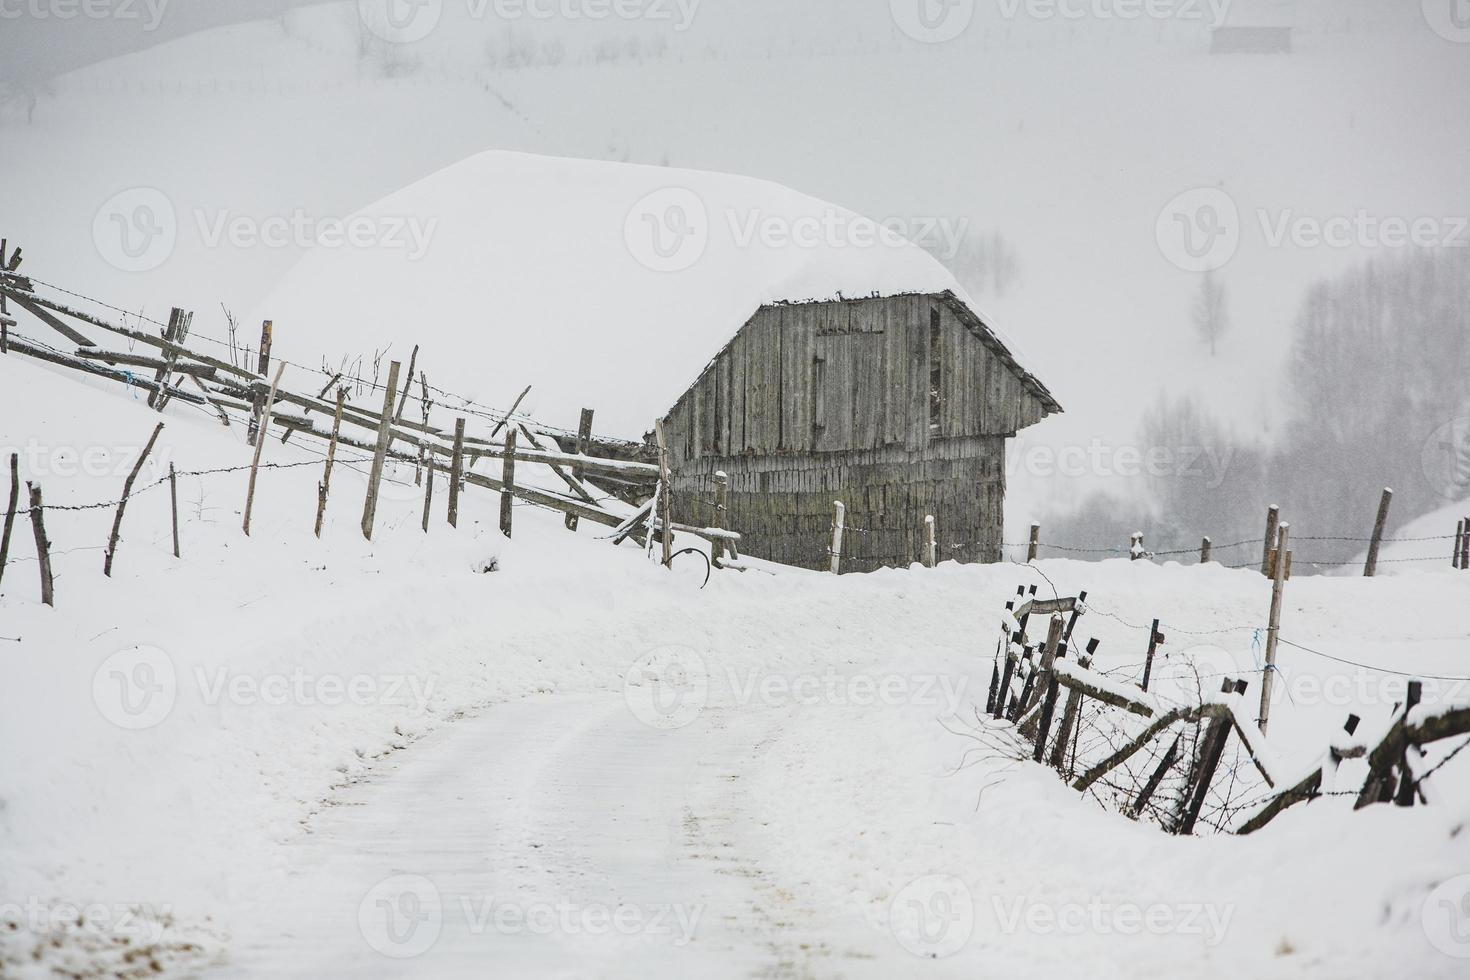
x,y
557,836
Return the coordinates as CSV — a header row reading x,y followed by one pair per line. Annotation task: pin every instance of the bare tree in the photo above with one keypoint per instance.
x,y
1211,315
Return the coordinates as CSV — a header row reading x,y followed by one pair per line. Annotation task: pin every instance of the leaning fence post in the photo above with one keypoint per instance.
x,y
380,451
43,547
1371,565
929,544
1034,543
456,472
1459,538
428,494
121,504
839,524
1273,627
324,487
508,483
1465,547
262,366
1218,733
722,508
14,504
584,440
265,424
1058,760
173,505
1273,517
1154,639
1204,551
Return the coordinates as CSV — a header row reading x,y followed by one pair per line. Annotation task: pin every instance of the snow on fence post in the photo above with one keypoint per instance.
x,y
14,502
324,487
173,505
265,424
456,474
839,524
584,440
1204,551
929,544
1273,627
1371,565
1273,518
385,429
43,547
1058,760
722,508
508,483
1048,708
1135,547
1034,543
123,503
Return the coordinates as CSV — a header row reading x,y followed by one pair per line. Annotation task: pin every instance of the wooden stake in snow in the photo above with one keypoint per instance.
x,y
173,505
508,481
1204,551
1371,565
385,430
584,439
665,508
930,546
43,547
515,405
1459,538
428,494
1154,639
722,509
1215,738
1465,547
1273,628
407,385
262,366
1273,517
265,424
1034,543
456,472
14,504
839,524
325,486
1135,547
123,503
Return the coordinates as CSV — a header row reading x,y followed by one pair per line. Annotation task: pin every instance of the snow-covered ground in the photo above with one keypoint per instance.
x,y
254,758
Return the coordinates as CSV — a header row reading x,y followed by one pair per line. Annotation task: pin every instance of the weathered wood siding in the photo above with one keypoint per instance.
x,y
817,402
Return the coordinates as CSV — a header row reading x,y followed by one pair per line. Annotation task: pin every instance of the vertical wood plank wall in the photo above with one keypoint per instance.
x,y
816,402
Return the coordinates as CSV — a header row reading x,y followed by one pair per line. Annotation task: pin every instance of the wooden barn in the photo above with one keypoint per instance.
x,y
900,407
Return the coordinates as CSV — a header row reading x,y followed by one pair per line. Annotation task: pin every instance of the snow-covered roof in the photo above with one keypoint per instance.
x,y
602,285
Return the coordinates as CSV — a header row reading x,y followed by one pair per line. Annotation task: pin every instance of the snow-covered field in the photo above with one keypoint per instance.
x,y
222,758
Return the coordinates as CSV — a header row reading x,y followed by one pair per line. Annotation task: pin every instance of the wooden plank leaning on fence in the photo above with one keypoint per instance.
x,y
265,424
43,546
456,472
584,438
508,483
380,452
10,511
123,503
325,486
